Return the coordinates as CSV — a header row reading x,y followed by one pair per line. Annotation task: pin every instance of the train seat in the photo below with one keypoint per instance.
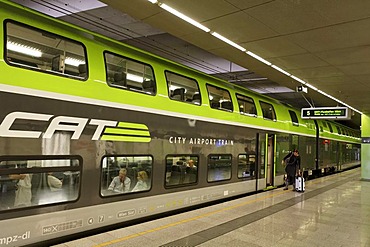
x,y
148,86
120,79
227,105
179,94
215,104
82,70
196,98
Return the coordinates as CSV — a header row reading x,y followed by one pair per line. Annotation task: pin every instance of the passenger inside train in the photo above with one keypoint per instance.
x,y
120,183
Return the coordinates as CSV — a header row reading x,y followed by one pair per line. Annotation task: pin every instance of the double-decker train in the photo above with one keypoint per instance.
x,y
95,133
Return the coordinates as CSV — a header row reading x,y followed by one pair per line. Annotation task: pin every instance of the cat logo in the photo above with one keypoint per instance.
x,y
104,130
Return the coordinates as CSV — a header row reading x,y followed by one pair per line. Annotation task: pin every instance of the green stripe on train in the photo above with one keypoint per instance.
x,y
125,138
132,125
127,132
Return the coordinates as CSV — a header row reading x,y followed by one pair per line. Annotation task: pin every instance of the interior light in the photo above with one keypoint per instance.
x,y
133,77
153,1
184,17
73,61
258,58
226,40
280,69
23,49
297,79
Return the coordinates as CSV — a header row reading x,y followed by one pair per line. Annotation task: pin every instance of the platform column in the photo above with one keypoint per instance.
x,y
365,148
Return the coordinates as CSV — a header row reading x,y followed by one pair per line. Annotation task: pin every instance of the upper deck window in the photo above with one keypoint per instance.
x,y
219,98
182,88
125,73
246,105
268,111
294,118
40,50
330,128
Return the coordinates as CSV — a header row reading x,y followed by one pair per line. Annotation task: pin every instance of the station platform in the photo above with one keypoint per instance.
x,y
333,211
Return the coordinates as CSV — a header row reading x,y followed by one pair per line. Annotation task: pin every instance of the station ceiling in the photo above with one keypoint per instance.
x,y
324,43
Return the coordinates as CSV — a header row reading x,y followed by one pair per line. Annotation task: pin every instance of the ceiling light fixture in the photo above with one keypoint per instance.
x,y
226,40
297,79
312,87
280,69
184,17
73,61
23,49
258,58
136,78
217,35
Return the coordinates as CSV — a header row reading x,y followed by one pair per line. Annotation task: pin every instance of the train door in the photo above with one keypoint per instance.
x,y
270,160
266,150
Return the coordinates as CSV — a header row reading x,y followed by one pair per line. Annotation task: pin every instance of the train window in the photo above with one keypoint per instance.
x,y
294,118
219,167
181,170
219,98
129,74
246,105
34,181
268,111
338,130
247,165
125,174
37,49
330,128
182,88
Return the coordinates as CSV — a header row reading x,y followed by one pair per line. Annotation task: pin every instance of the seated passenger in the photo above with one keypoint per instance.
x,y
191,168
23,194
121,183
54,183
142,183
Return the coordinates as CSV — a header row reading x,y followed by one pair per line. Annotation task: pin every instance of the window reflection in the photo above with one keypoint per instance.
x,y
33,182
219,167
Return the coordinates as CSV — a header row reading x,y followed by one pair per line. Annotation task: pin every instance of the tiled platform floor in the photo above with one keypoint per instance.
x,y
334,211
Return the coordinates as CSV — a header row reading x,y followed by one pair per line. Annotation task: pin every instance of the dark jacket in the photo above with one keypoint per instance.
x,y
292,164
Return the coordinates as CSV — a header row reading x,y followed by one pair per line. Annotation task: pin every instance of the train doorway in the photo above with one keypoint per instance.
x,y
270,160
266,160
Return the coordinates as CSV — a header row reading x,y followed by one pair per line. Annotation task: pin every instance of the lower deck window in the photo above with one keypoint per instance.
x,y
32,182
181,170
219,167
125,174
246,165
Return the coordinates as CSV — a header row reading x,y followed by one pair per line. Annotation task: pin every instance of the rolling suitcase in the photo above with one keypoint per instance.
x,y
299,184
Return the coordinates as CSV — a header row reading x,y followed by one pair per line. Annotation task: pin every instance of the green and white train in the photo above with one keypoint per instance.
x,y
77,107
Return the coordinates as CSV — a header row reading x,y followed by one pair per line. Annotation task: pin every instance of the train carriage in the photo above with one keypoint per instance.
x,y
79,109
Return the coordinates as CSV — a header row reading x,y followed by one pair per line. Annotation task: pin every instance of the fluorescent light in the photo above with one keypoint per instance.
x,y
226,40
23,49
184,17
280,69
258,58
133,77
312,87
297,79
153,1
73,61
